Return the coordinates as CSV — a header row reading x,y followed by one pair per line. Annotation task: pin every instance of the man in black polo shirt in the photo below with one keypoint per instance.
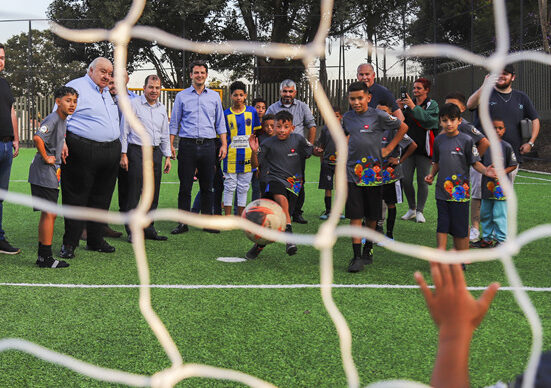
x,y
512,106
379,94
9,145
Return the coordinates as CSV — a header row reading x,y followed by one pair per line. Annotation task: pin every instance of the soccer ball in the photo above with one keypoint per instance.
x,y
266,213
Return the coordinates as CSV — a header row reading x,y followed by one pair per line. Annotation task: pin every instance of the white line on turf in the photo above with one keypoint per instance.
x,y
533,177
250,286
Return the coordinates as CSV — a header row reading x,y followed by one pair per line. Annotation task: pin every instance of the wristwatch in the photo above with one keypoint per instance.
x,y
531,144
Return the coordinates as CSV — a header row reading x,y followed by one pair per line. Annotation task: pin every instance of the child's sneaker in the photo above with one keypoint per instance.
x,y
254,252
50,262
474,235
291,249
420,218
356,264
324,215
367,255
482,244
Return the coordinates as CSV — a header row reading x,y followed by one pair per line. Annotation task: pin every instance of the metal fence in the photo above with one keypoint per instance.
x,y
532,78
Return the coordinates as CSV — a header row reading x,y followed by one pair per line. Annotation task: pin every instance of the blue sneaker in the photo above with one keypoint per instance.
x,y
324,215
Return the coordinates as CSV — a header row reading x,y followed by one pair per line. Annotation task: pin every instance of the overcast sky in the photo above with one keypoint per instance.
x,y
36,9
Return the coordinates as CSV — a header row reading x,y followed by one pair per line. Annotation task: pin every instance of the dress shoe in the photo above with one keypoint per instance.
x,y
181,228
103,247
108,232
299,219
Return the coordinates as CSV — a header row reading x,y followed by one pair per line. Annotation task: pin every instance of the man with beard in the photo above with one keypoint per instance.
x,y
304,123
513,106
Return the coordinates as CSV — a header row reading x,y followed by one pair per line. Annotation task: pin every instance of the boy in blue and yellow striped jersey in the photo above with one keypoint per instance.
x,y
241,122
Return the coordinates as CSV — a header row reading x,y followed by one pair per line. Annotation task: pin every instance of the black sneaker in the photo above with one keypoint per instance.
x,y
291,249
67,251
5,247
254,252
357,264
104,247
367,256
299,219
50,262
379,228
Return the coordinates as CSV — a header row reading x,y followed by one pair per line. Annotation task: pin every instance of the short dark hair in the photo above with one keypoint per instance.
x,y
63,91
384,103
358,87
153,77
238,85
450,111
284,115
336,109
259,99
497,118
423,81
457,96
198,63
267,117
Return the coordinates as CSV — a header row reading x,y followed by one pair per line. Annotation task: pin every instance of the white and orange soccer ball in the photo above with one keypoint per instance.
x,y
266,213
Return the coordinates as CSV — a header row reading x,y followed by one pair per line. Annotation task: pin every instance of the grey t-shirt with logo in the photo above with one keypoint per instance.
x,y
52,131
282,160
469,129
392,173
454,156
366,131
491,188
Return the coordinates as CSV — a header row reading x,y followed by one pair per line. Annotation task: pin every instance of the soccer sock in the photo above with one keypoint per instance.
x,y
390,220
357,248
288,228
44,250
327,204
368,246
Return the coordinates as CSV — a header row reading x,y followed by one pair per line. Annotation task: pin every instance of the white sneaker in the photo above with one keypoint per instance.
x,y
409,215
474,235
419,217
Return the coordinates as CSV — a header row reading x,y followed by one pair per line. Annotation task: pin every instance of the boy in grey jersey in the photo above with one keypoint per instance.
x,y
365,128
45,172
453,153
282,157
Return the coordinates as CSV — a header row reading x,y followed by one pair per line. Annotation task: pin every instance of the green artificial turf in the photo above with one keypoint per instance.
x,y
283,336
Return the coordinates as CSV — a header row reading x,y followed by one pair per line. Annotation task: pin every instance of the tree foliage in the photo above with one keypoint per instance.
x,y
283,21
453,26
49,69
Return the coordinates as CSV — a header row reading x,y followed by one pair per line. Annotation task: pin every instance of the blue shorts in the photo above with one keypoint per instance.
x,y
453,218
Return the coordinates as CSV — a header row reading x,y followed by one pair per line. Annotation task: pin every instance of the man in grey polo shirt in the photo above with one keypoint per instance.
x,y
304,123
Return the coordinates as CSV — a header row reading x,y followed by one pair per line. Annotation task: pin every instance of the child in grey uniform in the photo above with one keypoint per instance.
x,y
45,173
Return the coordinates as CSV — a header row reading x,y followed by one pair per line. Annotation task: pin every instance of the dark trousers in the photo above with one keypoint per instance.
x,y
301,195
192,156
122,184
135,178
88,179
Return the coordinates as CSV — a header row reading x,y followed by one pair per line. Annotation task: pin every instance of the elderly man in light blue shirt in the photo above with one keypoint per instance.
x,y
91,155
304,123
197,118
154,118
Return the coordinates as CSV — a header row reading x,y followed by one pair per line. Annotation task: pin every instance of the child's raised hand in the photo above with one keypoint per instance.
x,y
451,305
253,143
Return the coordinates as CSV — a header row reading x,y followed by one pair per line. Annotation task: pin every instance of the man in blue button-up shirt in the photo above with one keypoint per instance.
x,y
91,155
197,118
154,118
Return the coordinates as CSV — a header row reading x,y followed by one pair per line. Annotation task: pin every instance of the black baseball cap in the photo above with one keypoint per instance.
x,y
509,69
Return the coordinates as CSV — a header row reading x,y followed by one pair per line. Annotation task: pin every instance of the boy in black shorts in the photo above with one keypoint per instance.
x,y
392,166
281,156
365,128
453,153
325,148
45,172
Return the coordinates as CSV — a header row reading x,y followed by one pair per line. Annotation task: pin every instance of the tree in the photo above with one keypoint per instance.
x,y
49,69
284,21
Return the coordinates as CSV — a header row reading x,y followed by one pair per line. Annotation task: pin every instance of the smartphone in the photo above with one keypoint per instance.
x,y
403,92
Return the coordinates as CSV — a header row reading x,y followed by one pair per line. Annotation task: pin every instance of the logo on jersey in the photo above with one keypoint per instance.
x,y
475,151
475,131
248,122
43,129
520,106
292,152
457,151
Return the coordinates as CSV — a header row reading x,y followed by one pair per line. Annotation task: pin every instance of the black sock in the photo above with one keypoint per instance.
x,y
288,228
368,246
357,248
390,220
327,204
44,250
